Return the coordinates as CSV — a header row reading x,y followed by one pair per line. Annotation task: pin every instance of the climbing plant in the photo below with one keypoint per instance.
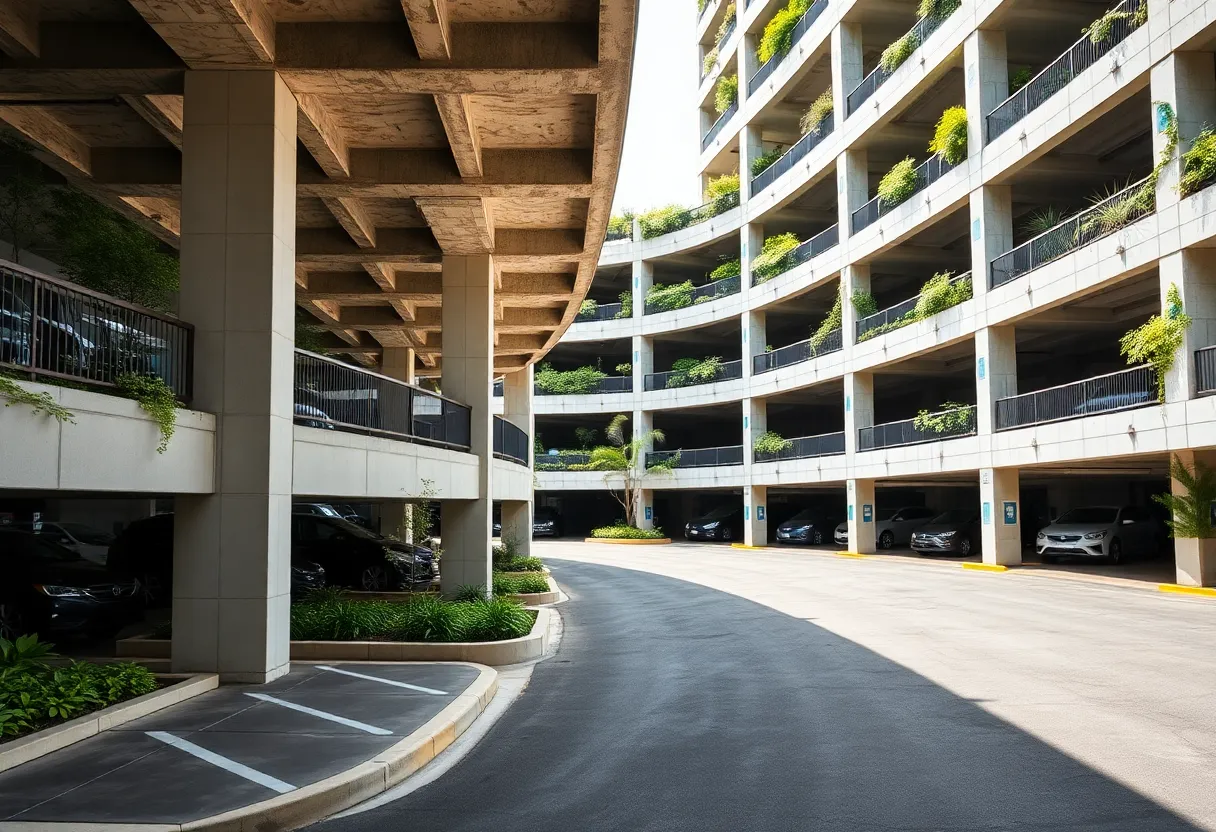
x,y
1158,339
689,371
951,417
1100,29
38,402
950,135
156,399
1198,163
832,322
771,261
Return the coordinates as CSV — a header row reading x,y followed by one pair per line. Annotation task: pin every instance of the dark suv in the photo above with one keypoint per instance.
x,y
358,558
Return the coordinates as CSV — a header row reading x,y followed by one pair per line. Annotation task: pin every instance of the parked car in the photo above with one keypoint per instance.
x,y
809,526
89,543
954,532
49,589
893,528
1108,532
546,522
358,558
319,509
720,524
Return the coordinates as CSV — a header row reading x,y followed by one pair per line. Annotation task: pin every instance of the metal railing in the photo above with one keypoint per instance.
x,y
927,172
727,371
1123,390
1078,230
699,457
1205,370
805,251
614,234
604,312
807,447
1060,73
53,329
893,316
722,121
510,442
796,353
499,387
560,461
960,422
793,156
924,27
611,384
332,395
692,216
800,28
705,293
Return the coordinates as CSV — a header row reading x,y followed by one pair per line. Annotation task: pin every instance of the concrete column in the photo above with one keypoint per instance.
x,y
232,549
986,59
643,361
643,279
860,517
854,278
751,243
991,231
1193,271
517,409
755,515
645,508
858,409
996,372
751,145
852,187
468,364
747,62
1194,559
755,425
1000,517
398,363
755,338
848,69
641,424
1187,82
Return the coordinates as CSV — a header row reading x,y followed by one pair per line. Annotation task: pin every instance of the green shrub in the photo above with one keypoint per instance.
x,y
950,135
899,183
822,107
1116,209
624,369
937,9
726,269
831,323
951,417
518,564
665,298
1158,339
621,224
626,298
1020,78
771,261
568,382
428,618
777,38
939,294
765,160
899,51
622,532
728,17
864,303
510,585
771,443
1100,29
1198,163
588,307
497,619
726,93
659,221
586,438
722,194
689,371
711,58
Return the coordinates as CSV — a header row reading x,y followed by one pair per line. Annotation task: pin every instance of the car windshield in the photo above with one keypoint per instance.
x,y
885,515
351,529
718,514
87,535
34,546
807,515
1089,515
326,510
950,517
543,515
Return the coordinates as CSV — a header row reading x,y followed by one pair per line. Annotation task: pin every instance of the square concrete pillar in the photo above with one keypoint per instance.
x,y
848,69
991,231
858,409
643,279
641,423
755,338
468,365
1185,81
398,363
755,515
755,425
1000,517
852,187
644,508
996,372
854,278
232,549
751,145
1193,271
1194,559
860,517
747,61
643,361
750,245
986,60
517,409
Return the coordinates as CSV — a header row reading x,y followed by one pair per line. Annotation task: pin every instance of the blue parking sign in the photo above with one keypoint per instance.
x,y
649,513
867,513
1011,513
759,512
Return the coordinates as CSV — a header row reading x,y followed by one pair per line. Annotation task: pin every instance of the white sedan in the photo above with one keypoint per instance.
x,y
893,528
91,544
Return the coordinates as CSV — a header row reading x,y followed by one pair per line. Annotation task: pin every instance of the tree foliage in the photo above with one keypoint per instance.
x,y
777,38
950,135
1191,511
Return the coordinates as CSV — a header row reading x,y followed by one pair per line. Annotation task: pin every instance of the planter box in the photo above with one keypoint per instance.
x,y
656,541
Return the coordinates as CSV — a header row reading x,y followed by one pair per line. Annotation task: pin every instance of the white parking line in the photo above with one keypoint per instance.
x,y
341,720
252,774
392,682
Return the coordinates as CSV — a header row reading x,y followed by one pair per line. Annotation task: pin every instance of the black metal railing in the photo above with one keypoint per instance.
x,y
924,27
54,329
698,457
945,425
927,172
796,353
561,461
896,316
334,396
705,293
615,234
1060,73
726,33
610,384
499,387
1205,371
805,251
722,121
510,442
604,312
807,447
726,371
1123,390
793,156
800,28
1078,230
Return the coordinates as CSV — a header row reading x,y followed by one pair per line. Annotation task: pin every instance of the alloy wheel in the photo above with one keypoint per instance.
x,y
886,540
964,547
374,579
1116,552
816,537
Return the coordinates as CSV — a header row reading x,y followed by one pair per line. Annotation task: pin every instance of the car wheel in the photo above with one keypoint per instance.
x,y
964,547
1115,553
817,537
12,624
374,579
886,540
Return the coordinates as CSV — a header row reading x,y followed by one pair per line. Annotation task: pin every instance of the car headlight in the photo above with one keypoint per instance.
x,y
709,527
1096,535
1041,536
948,534
60,591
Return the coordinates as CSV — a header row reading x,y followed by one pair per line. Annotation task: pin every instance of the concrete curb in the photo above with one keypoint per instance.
x,y
653,541
41,743
1194,591
984,567
536,599
745,546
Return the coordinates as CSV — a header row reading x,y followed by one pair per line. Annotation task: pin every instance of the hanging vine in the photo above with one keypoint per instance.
x,y
1158,339
156,399
38,402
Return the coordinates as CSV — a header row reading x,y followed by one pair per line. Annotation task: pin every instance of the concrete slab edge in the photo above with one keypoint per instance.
x,y
652,541
43,742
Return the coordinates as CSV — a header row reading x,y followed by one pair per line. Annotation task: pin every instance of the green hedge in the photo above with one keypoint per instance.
x,y
622,532
518,564
659,221
568,382
512,585
423,618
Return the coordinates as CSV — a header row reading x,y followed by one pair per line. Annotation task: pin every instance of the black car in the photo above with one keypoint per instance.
x,y
546,523
954,532
355,557
720,524
809,526
49,589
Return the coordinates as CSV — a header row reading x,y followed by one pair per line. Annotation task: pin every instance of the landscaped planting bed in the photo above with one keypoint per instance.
x,y
424,618
623,532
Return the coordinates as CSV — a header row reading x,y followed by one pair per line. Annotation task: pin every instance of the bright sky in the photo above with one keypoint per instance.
x,y
659,164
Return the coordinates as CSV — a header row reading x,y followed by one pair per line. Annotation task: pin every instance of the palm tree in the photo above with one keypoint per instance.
x,y
618,461
1190,513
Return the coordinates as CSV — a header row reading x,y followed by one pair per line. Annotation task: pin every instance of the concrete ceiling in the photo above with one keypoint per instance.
x,y
427,127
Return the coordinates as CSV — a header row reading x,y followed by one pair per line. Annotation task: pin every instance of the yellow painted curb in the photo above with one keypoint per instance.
x,y
850,555
650,541
745,546
985,567
1201,591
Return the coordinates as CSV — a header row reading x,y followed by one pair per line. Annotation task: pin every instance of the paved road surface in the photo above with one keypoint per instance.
x,y
848,696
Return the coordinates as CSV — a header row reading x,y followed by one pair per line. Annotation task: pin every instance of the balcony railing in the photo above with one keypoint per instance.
x,y
604,312
334,396
1095,222
1205,371
1060,73
793,156
807,447
924,27
796,353
54,329
560,461
510,442
725,287
615,234
894,317
499,386
1123,390
927,172
722,121
960,422
800,28
699,457
692,216
611,384
806,251
727,371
